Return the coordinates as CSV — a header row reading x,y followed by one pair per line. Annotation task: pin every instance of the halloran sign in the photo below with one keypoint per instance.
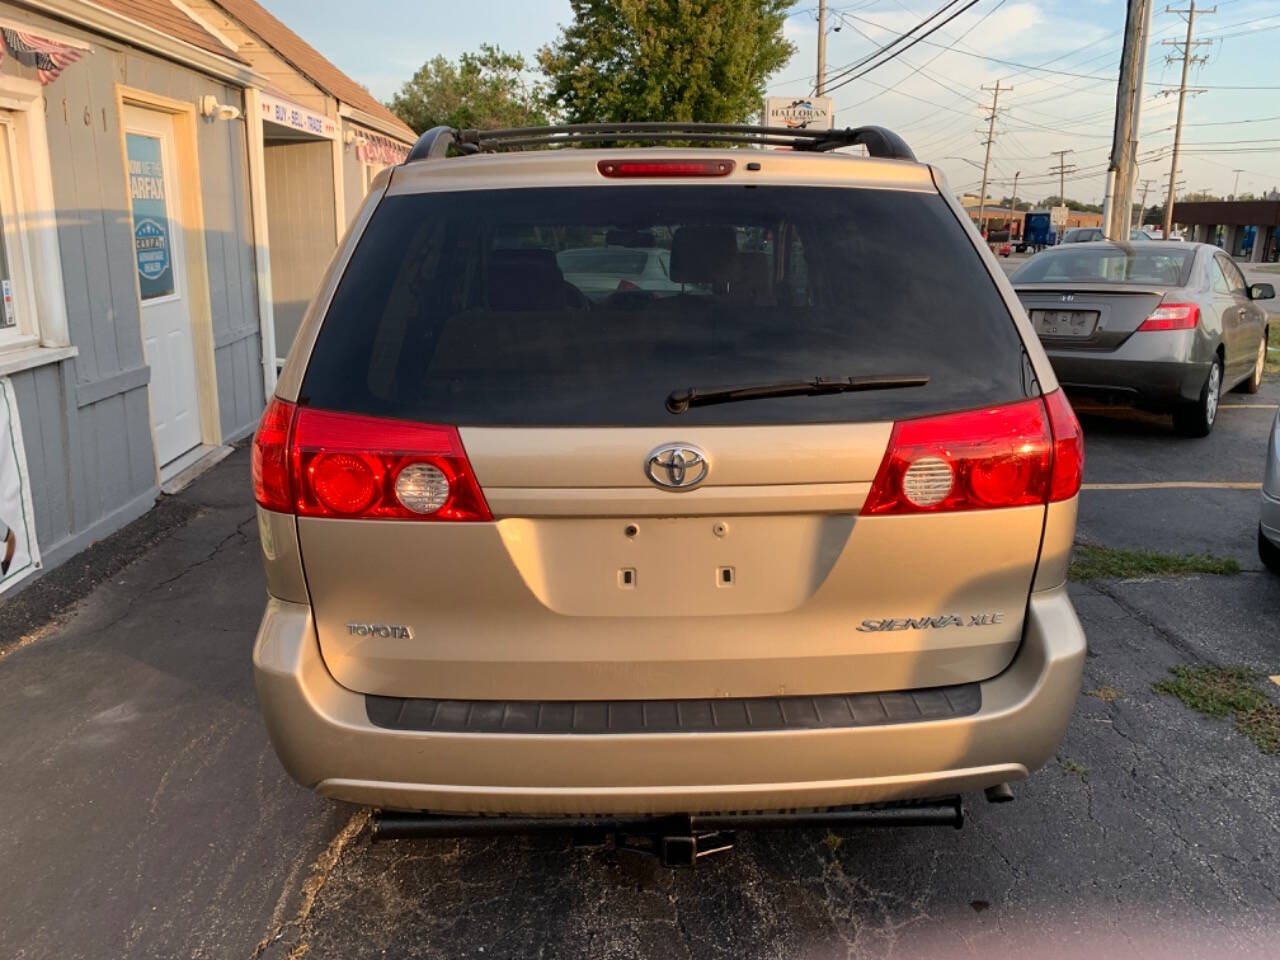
x,y
799,113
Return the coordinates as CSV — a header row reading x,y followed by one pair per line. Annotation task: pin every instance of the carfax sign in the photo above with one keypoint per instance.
x,y
152,243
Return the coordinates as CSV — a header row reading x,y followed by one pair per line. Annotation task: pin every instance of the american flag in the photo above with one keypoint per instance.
x,y
47,56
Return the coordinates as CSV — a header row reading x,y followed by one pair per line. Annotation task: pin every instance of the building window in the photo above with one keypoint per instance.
x,y
34,312
18,327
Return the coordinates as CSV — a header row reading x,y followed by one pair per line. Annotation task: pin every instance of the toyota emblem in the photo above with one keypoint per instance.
x,y
677,466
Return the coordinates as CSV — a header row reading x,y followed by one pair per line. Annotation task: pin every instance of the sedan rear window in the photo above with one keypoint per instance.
x,y
1169,267
487,307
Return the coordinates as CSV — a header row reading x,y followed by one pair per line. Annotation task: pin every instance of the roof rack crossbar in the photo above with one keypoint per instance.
x,y
436,142
637,135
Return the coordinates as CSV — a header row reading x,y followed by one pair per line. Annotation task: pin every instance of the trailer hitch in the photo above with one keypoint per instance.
x,y
675,842
679,840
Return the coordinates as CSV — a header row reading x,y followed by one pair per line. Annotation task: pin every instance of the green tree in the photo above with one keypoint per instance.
x,y
488,89
673,60
1070,204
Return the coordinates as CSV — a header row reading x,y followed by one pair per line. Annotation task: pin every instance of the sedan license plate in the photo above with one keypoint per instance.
x,y
1064,323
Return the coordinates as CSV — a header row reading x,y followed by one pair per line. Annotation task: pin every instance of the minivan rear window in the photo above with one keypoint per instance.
x,y
461,307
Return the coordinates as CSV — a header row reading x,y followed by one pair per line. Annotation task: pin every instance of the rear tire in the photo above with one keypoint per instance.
x,y
1269,552
1197,419
1254,383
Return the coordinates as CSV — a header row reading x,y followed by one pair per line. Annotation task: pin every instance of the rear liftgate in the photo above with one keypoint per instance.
x,y
680,840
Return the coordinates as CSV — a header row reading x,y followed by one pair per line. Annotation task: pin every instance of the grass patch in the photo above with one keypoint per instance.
x,y
1223,692
1105,563
1262,726
1272,365
1107,694
1075,768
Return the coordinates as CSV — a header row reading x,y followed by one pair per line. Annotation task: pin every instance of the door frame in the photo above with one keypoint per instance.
x,y
186,165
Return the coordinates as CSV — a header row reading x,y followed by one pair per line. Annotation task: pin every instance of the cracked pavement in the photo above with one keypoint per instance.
x,y
144,814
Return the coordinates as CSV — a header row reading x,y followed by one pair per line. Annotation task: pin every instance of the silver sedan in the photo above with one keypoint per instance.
x,y
1269,526
1163,327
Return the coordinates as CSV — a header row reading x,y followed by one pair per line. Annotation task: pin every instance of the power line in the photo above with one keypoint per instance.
x,y
1066,73
844,18
895,41
867,69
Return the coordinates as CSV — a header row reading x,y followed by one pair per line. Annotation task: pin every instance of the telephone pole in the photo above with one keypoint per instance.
x,y
1062,169
1187,57
991,138
1142,207
821,86
1013,203
1236,189
1124,138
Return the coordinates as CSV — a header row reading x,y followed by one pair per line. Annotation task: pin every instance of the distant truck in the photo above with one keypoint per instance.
x,y
1037,231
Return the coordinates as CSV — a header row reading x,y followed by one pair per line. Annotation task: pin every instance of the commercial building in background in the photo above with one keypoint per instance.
x,y
1247,229
1008,222
173,178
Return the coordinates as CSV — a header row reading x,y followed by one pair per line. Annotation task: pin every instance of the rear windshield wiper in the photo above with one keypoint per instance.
x,y
678,401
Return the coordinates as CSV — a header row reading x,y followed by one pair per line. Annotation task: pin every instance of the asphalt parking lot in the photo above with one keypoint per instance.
x,y
143,813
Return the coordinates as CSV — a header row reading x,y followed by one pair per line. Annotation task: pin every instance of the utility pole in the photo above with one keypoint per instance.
x,y
1122,171
991,138
1139,85
1142,207
1013,202
1187,59
1236,189
821,86
1062,169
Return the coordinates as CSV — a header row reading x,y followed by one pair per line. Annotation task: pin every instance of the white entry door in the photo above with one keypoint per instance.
x,y
167,335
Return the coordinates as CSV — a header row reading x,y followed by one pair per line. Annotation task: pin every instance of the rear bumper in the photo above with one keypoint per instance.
x,y
325,740
1150,383
1270,519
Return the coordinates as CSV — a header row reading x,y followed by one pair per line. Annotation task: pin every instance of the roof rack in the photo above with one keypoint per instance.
x,y
436,142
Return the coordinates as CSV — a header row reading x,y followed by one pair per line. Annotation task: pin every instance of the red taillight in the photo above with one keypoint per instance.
x,y
320,464
625,284
1172,316
665,168
270,458
348,465
1068,447
976,460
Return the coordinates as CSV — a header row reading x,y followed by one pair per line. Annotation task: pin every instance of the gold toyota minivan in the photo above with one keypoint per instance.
x,y
635,481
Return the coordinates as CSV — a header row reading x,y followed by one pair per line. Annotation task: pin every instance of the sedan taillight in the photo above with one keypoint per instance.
x,y
1172,316
317,463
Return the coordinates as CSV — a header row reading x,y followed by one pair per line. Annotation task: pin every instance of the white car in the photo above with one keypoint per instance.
x,y
602,271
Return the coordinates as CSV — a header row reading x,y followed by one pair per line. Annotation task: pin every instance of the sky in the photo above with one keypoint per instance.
x,y
932,93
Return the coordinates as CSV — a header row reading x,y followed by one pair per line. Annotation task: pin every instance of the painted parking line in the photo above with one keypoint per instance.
x,y
1175,485
1249,406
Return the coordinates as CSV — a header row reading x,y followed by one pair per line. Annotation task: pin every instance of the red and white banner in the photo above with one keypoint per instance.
x,y
380,151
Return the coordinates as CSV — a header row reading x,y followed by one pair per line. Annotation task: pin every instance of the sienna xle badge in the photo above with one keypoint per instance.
x,y
782,529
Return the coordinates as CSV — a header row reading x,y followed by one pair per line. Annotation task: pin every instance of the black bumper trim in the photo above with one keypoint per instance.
x,y
720,715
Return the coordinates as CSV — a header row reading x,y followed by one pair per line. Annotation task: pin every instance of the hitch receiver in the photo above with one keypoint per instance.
x,y
678,840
